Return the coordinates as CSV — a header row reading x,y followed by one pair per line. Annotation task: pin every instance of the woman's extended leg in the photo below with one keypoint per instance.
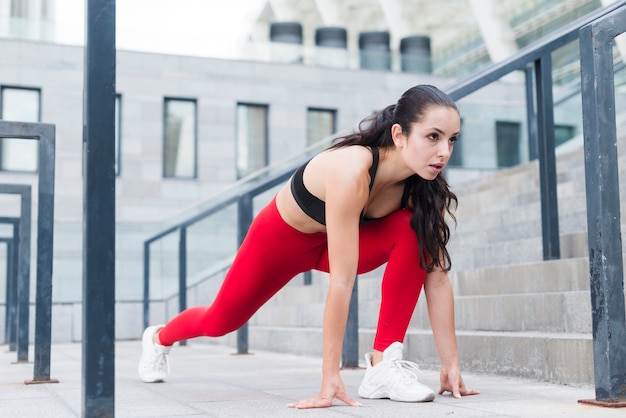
x,y
270,256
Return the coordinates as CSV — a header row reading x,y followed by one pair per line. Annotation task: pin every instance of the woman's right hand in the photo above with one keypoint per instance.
x,y
332,389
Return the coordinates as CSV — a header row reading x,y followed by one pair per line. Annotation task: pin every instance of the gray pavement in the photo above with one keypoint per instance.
x,y
209,381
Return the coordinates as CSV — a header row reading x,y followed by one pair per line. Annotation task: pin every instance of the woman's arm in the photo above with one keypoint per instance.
x,y
346,193
440,301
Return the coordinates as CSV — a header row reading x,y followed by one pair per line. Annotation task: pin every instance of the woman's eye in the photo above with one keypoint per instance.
x,y
454,139
433,137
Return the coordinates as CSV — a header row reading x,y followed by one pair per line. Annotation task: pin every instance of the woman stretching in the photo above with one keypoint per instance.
x,y
377,196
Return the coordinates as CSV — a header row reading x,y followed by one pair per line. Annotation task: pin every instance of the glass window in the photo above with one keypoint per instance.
x,y
320,124
118,133
563,133
180,142
19,105
508,143
251,138
456,159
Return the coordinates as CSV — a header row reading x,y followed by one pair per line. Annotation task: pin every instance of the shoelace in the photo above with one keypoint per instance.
x,y
160,362
406,369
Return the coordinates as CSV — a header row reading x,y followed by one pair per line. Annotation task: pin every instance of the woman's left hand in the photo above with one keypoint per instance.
x,y
451,381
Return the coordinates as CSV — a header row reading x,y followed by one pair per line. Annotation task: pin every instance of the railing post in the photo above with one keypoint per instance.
x,y
603,207
10,331
547,158
350,353
531,115
244,220
98,359
146,284
15,277
22,291
9,278
45,240
182,273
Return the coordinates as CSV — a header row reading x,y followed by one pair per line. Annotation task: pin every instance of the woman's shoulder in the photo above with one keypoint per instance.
x,y
349,158
349,164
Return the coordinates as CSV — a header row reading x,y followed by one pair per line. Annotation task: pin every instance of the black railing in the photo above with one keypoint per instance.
x,y
603,206
45,135
18,290
536,62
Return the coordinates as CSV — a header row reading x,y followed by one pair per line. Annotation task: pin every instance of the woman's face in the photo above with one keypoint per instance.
x,y
428,146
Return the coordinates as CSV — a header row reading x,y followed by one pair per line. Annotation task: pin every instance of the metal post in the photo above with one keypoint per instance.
x,y
23,284
308,278
244,221
146,284
45,134
603,208
45,235
182,273
98,359
350,353
23,263
9,278
11,284
547,159
12,313
531,115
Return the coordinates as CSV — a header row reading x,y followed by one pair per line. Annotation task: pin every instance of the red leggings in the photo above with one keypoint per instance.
x,y
273,253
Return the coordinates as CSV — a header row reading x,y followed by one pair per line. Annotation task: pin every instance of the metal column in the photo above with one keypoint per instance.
x,y
547,158
603,207
23,262
98,374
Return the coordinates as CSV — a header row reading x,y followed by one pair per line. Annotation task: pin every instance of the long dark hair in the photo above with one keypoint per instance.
x,y
430,200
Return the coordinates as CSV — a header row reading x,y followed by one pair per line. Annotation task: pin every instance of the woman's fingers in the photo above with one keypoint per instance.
x,y
321,402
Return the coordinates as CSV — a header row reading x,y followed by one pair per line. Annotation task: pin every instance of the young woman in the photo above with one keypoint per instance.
x,y
377,196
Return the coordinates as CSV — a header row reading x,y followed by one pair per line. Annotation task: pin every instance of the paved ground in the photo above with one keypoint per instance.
x,y
209,381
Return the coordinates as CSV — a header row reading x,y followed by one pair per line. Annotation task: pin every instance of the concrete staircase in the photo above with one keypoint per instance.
x,y
515,314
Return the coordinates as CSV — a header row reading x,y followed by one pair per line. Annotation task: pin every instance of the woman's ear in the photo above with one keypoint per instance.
x,y
397,135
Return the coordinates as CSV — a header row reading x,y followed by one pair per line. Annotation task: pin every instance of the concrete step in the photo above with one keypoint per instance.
x,y
554,357
544,296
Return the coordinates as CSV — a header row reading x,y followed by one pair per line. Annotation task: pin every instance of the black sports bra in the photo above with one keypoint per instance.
x,y
316,207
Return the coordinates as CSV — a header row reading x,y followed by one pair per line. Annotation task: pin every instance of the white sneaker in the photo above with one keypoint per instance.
x,y
393,378
153,365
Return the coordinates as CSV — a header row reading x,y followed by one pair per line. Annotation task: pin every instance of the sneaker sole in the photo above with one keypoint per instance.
x,y
385,394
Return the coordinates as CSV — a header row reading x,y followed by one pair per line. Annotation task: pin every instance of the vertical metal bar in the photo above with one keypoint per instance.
x,y
98,359
308,278
146,284
9,258
23,284
547,159
45,235
10,320
182,273
21,294
12,313
8,268
350,353
244,220
531,115
603,208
